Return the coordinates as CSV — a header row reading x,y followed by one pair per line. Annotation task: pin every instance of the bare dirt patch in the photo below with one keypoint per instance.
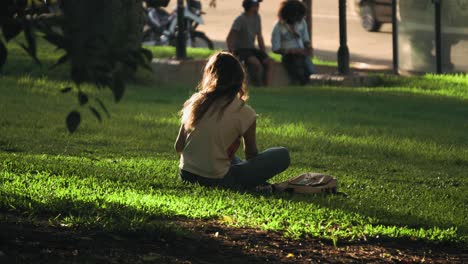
x,y
202,242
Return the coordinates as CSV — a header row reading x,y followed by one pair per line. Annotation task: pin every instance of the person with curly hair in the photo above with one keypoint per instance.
x,y
290,38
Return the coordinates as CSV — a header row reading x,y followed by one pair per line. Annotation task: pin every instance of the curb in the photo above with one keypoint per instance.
x,y
189,73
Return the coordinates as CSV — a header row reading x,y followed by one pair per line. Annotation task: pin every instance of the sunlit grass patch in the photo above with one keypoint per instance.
x,y
119,196
450,85
170,52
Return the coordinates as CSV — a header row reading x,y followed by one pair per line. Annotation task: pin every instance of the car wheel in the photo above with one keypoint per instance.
x,y
368,19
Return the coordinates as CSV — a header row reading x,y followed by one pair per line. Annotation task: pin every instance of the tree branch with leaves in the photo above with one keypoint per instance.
x,y
101,40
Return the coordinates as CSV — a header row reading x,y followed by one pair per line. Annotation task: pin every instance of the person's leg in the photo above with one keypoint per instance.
x,y
258,170
310,67
252,66
242,55
288,63
296,67
236,160
255,70
189,177
303,69
267,66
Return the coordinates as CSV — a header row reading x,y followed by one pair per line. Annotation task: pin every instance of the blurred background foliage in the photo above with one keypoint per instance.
x,y
100,40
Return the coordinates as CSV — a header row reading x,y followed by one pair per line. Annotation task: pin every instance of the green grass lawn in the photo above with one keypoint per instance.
x,y
399,151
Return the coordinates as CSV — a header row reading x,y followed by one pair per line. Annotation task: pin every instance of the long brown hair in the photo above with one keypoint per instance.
x,y
223,78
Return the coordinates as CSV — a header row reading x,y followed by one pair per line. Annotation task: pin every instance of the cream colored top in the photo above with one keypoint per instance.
x,y
205,152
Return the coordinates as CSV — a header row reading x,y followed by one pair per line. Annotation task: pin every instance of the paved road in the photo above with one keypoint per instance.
x,y
374,48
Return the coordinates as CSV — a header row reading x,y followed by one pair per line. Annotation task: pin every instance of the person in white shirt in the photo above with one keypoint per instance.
x,y
214,122
290,38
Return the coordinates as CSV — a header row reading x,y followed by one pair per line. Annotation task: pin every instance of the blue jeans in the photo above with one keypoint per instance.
x,y
247,173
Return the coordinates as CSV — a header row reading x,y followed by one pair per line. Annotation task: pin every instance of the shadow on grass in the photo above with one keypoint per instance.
x,y
38,236
19,63
37,241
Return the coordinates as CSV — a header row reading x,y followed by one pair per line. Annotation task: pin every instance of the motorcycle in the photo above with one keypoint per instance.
x,y
161,26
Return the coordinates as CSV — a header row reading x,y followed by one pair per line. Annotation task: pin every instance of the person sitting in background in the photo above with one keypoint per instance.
x,y
241,42
290,38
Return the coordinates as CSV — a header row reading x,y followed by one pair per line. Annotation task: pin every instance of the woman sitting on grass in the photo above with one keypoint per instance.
x,y
214,121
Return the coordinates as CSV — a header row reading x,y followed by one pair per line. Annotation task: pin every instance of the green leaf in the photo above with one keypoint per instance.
x,y
66,90
11,28
147,53
147,66
73,121
55,38
118,88
130,62
78,75
144,59
60,61
31,41
96,113
101,104
3,54
103,81
82,98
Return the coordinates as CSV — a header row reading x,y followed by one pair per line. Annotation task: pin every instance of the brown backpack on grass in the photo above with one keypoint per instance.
x,y
309,183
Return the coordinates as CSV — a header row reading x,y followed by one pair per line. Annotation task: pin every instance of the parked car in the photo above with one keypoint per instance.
x,y
374,13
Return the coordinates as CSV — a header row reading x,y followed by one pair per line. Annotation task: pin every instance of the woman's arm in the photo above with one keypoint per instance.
x,y
308,51
180,141
306,39
250,143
